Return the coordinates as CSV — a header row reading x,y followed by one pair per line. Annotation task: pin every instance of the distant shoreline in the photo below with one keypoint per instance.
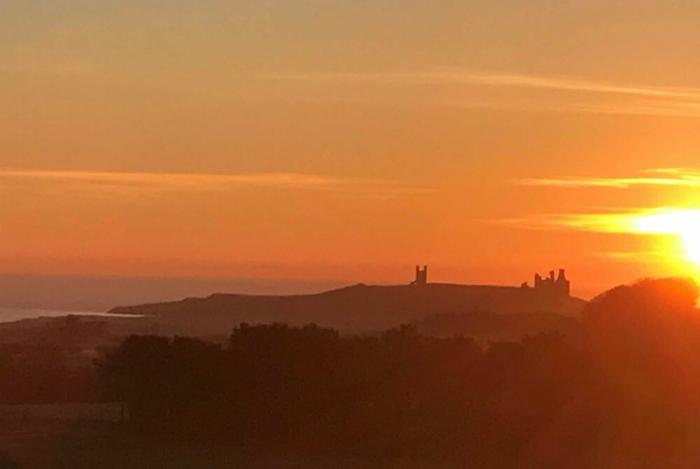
x,y
8,315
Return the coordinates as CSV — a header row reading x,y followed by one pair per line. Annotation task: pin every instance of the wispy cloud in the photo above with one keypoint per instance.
x,y
509,80
684,222
634,256
593,222
645,99
663,177
612,220
194,182
647,107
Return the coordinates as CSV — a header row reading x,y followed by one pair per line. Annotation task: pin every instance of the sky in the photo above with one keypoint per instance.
x,y
327,141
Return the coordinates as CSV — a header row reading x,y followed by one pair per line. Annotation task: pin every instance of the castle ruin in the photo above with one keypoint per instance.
x,y
553,286
421,276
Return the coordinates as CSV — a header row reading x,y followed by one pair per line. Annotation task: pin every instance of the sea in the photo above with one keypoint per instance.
x,y
12,314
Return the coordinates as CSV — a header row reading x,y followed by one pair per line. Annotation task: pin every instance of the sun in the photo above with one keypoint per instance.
x,y
683,223
691,243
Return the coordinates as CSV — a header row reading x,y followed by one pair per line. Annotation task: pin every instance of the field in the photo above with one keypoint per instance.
x,y
89,436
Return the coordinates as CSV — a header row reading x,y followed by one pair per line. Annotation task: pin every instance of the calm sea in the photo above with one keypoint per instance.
x,y
11,314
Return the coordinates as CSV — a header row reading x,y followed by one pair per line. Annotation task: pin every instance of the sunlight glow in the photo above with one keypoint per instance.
x,y
682,223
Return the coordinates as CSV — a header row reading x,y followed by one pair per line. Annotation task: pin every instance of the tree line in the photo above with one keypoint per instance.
x,y
624,390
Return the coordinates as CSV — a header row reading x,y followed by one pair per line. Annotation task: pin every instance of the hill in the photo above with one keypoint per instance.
x,y
358,308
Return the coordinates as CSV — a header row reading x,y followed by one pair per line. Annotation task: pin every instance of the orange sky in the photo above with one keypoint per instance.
x,y
342,140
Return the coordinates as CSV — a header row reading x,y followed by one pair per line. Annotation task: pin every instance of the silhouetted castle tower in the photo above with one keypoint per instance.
x,y
553,287
559,286
421,276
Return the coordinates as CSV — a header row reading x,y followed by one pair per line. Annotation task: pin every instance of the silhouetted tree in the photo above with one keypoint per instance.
x,y
622,392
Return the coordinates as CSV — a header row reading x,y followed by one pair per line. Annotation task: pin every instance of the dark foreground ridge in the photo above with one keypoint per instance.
x,y
619,390
362,308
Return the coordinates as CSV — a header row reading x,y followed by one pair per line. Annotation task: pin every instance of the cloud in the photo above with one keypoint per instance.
x,y
506,80
683,222
568,84
634,256
657,220
593,222
647,99
194,182
644,108
659,177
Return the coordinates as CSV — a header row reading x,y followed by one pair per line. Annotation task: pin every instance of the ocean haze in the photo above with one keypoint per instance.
x,y
14,314
70,293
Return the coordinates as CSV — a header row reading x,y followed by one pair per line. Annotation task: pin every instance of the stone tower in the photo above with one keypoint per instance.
x,y
558,286
421,276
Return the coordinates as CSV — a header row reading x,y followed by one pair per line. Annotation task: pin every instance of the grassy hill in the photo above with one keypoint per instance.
x,y
355,309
